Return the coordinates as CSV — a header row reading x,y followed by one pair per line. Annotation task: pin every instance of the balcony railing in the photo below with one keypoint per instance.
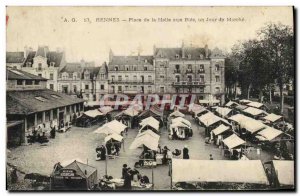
x,y
130,82
189,83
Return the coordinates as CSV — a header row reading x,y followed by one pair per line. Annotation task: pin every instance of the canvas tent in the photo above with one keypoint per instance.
x,y
176,114
113,136
253,111
233,141
272,117
255,104
111,127
147,140
149,121
180,119
285,172
105,109
222,171
252,125
223,111
220,129
231,103
93,113
74,176
269,133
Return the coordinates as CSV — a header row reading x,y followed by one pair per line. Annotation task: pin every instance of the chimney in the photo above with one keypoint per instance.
x,y
139,57
111,54
182,50
206,51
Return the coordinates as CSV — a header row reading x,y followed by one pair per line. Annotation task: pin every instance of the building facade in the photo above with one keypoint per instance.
x,y
131,74
189,70
29,104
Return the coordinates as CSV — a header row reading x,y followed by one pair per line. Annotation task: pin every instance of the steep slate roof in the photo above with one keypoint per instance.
x,y
15,57
93,71
43,51
172,52
71,68
13,74
25,102
131,60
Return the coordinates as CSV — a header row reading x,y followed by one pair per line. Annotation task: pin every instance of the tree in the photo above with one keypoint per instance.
x,y
278,44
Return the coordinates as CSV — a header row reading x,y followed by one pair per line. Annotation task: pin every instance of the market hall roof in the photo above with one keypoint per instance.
x,y
32,101
15,57
13,74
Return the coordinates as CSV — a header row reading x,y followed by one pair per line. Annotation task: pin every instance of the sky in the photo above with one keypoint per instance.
x,y
92,40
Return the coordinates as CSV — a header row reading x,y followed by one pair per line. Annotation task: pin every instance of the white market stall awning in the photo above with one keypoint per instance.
x,y
270,133
149,120
114,136
255,104
178,124
205,116
105,109
220,129
148,140
252,125
233,141
223,111
111,127
272,117
285,171
224,171
147,125
253,111
180,119
148,132
131,112
239,118
177,114
230,103
195,107
245,101
93,113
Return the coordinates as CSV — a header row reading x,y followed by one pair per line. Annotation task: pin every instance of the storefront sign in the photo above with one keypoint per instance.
x,y
67,173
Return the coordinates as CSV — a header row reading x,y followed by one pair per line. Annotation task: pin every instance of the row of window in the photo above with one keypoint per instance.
x,y
201,67
28,82
134,78
190,78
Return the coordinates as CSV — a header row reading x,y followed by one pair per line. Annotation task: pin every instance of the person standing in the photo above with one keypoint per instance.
x,y
124,170
127,180
185,152
211,157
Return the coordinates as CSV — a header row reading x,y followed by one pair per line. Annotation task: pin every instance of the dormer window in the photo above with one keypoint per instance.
x,y
52,64
145,68
146,61
74,76
201,56
116,68
189,56
177,56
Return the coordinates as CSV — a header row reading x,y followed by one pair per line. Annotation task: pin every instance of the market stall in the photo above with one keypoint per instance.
x,y
149,123
281,173
183,120
233,146
128,117
254,112
105,109
149,141
231,104
179,130
220,133
74,176
224,112
217,174
89,118
273,118
176,114
111,127
257,105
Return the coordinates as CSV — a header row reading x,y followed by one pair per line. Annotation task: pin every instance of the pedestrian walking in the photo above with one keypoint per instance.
x,y
211,157
185,152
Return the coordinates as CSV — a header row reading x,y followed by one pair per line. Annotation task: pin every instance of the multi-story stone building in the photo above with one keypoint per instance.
x,y
44,63
131,74
190,70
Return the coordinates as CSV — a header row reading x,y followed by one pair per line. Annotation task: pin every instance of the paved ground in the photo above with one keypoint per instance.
x,y
80,143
